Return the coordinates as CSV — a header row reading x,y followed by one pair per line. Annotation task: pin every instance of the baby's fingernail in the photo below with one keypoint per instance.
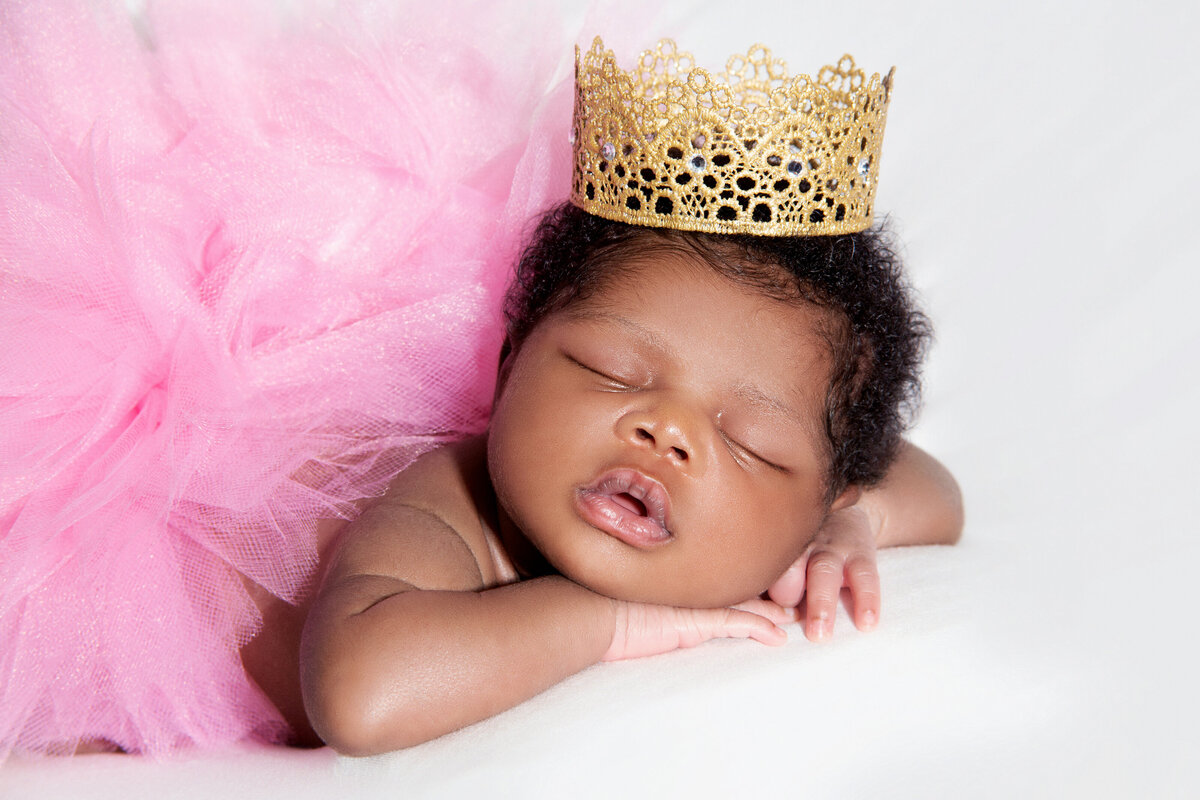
x,y
869,619
818,629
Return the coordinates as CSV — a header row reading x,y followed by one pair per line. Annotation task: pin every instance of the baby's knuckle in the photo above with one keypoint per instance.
x,y
825,565
861,568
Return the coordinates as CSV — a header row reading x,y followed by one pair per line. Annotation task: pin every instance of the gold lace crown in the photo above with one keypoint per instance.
x,y
751,151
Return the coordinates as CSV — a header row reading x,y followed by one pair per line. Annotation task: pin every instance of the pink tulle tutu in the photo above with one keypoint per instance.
x,y
251,264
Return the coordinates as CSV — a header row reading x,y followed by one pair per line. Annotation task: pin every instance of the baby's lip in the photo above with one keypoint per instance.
x,y
611,504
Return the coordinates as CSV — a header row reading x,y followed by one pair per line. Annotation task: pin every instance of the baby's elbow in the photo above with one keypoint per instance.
x,y
355,717
350,738
950,522
943,502
952,533
334,715
341,714
958,514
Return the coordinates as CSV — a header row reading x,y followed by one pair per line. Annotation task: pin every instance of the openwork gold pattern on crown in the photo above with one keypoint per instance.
x,y
750,151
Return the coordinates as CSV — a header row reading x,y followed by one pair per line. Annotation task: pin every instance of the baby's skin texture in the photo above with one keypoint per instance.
x,y
653,472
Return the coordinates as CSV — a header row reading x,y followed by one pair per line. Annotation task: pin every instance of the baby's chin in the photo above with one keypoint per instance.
x,y
653,590
633,577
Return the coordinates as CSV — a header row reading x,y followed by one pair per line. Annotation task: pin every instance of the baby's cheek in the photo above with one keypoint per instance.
x,y
514,476
506,466
788,532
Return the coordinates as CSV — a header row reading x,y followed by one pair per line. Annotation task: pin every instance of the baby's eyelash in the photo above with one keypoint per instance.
x,y
611,379
736,446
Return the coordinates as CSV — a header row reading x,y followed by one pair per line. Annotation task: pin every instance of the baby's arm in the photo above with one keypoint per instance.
x,y
410,637
918,502
403,645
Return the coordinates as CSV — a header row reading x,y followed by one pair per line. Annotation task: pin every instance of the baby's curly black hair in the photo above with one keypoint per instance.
x,y
877,343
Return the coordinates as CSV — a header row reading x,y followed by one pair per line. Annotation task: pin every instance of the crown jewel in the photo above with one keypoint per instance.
x,y
751,151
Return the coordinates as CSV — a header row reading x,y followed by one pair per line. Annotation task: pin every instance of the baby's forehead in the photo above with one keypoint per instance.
x,y
772,303
700,318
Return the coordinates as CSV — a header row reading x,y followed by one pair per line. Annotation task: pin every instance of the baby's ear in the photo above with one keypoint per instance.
x,y
849,496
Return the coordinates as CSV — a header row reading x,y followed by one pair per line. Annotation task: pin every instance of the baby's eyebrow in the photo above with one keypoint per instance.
x,y
756,397
648,336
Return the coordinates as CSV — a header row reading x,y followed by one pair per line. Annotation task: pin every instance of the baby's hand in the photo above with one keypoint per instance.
x,y
645,630
841,554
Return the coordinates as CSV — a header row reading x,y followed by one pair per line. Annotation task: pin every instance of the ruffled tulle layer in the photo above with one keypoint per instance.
x,y
251,263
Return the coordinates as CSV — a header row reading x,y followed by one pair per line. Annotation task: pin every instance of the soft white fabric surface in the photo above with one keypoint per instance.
x,y
1040,164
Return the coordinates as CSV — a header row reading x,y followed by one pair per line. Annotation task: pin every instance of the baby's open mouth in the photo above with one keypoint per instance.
x,y
627,505
630,502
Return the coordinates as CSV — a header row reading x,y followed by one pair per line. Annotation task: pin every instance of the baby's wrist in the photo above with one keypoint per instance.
x,y
869,514
598,614
620,625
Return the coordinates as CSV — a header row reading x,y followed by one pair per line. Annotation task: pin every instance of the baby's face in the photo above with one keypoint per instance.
x,y
661,441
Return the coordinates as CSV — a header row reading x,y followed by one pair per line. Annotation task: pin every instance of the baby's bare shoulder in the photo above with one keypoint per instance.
x,y
425,530
445,482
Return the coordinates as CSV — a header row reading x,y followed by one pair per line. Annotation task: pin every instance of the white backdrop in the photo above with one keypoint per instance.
x,y
1039,164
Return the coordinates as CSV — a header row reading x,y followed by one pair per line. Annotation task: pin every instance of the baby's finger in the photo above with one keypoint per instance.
x,y
825,572
863,577
778,614
734,623
772,635
749,625
789,587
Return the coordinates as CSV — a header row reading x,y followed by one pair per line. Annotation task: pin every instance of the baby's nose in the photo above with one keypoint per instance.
x,y
669,446
665,429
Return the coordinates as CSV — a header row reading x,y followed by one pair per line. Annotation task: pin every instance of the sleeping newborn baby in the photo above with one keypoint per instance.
x,y
685,425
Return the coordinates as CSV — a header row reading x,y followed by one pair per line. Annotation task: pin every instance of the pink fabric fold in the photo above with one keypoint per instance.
x,y
251,265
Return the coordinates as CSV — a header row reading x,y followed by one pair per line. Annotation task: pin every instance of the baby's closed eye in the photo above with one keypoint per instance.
x,y
615,380
743,453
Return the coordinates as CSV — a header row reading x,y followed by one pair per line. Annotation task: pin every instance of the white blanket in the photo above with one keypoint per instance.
x,y
1041,165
